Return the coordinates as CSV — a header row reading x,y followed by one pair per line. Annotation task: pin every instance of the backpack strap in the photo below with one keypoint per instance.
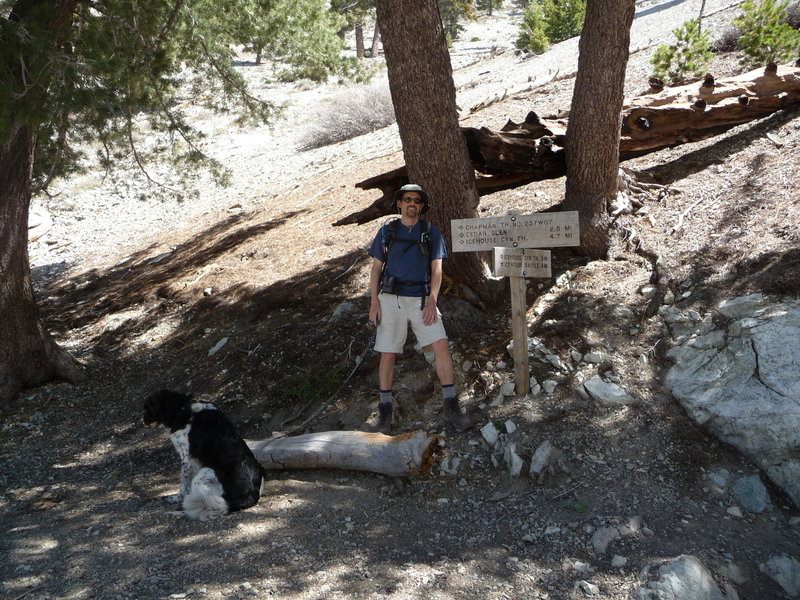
x,y
388,237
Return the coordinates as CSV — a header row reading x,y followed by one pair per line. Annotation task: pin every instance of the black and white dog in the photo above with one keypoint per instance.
x,y
219,473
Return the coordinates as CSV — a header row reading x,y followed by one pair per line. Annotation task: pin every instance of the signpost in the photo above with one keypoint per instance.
x,y
512,239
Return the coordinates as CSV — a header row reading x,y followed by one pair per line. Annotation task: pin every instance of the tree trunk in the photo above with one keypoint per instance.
x,y
376,38
359,39
28,354
397,456
424,98
592,139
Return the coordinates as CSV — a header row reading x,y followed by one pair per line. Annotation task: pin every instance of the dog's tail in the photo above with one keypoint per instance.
x,y
205,501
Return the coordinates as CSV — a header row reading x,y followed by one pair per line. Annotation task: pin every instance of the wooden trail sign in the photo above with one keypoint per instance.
x,y
516,241
539,230
521,262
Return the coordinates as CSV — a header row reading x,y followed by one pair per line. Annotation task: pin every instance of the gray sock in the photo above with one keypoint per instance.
x,y
448,391
386,396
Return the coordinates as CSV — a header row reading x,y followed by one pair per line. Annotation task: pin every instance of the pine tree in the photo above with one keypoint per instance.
x,y
766,37
75,71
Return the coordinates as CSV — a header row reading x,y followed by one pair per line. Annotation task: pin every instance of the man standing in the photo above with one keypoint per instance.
x,y
406,277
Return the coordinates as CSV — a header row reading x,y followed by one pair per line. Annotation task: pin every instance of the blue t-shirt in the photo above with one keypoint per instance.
x,y
406,260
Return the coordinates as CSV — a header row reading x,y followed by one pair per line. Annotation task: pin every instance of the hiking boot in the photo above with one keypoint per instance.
x,y
453,415
384,424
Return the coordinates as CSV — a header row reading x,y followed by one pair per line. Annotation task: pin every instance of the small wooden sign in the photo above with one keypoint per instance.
x,y
537,230
521,262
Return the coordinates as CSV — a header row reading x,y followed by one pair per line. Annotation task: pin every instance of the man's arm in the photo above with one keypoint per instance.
x,y
374,290
429,315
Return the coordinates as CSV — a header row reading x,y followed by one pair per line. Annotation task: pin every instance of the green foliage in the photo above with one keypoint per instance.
x,y
121,68
301,35
577,506
687,57
353,11
549,21
765,36
531,37
452,11
305,386
488,5
563,19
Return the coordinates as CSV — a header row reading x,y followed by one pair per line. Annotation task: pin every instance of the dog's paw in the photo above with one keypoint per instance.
x,y
179,514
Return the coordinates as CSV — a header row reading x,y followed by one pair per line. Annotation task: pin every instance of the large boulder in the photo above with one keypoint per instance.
x,y
741,380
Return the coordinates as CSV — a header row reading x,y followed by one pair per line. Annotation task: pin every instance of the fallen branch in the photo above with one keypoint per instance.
x,y
401,455
685,214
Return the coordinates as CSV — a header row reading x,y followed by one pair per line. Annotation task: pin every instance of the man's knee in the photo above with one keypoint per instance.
x,y
440,346
388,357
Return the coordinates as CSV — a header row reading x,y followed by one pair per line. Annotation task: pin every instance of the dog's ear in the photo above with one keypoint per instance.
x,y
152,410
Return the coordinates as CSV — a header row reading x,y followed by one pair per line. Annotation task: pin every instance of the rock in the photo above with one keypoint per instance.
x,y
602,537
582,393
589,589
512,459
467,365
549,386
450,465
218,346
741,383
618,561
734,572
510,426
498,400
634,525
555,361
623,312
684,578
720,477
344,309
649,291
547,459
508,389
552,530
490,433
581,568
751,494
735,511
593,357
607,394
785,571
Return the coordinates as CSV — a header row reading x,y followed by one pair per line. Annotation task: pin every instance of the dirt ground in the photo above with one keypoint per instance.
x,y
83,483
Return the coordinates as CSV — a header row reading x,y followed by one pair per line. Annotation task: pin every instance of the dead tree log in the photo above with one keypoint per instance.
x,y
397,456
521,153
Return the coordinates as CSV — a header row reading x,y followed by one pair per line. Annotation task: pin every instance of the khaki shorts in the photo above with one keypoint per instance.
x,y
396,314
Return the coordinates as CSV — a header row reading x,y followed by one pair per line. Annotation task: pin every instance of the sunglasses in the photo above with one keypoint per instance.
x,y
414,200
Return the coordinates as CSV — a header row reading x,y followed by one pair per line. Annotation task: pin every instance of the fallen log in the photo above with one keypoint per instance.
x,y
697,112
401,455
521,153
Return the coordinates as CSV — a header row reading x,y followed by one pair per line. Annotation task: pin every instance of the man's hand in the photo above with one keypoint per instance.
x,y
429,314
375,312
